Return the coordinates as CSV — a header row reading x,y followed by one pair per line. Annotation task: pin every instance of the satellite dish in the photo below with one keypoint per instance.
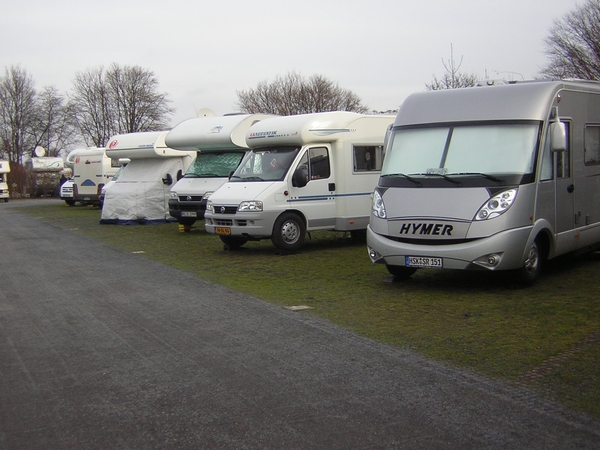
x,y
40,152
205,112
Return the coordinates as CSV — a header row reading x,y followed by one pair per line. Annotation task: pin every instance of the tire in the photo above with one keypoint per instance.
x,y
401,272
232,242
288,232
70,202
529,273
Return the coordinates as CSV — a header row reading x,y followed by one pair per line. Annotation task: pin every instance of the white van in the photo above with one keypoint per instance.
x,y
490,178
141,193
304,173
92,169
220,145
4,170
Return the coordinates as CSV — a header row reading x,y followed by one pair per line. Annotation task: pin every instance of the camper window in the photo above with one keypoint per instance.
x,y
367,158
319,163
592,145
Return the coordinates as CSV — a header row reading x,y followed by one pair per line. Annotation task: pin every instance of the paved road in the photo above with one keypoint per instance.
x,y
104,349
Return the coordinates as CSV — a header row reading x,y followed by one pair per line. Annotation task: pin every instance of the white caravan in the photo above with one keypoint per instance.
x,y
220,145
490,178
43,174
304,173
92,169
141,193
4,170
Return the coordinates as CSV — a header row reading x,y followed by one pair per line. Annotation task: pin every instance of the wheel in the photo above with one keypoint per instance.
x,y
401,272
187,222
232,242
530,272
288,232
70,202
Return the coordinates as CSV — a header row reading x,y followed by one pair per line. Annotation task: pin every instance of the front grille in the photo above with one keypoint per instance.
x,y
190,198
223,222
430,241
221,209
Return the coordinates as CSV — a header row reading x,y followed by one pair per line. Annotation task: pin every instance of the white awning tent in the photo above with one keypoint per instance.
x,y
141,193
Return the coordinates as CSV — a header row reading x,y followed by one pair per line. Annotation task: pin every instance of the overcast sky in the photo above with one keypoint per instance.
x,y
203,52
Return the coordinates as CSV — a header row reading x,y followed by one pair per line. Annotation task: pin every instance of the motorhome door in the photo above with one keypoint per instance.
x,y
317,198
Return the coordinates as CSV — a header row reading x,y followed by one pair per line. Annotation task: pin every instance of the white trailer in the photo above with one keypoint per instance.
x,y
4,170
490,178
304,173
220,145
141,193
92,169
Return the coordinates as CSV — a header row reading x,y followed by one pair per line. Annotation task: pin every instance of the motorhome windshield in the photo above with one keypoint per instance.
x,y
209,164
498,151
266,164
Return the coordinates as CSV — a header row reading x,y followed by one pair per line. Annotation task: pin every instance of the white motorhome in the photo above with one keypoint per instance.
x,y
92,169
141,193
220,145
4,170
490,178
304,173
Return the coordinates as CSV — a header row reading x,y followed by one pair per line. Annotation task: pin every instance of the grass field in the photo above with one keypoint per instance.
x,y
546,336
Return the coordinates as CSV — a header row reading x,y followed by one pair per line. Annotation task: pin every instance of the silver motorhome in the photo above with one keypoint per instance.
x,y
497,177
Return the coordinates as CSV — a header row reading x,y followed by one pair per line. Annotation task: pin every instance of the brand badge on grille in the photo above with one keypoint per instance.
x,y
222,210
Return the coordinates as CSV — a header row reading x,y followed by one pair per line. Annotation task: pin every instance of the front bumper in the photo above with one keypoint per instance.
x,y
507,248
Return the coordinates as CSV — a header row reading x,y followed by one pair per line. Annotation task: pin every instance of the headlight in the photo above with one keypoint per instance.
x,y
208,194
209,206
174,196
250,206
497,205
378,206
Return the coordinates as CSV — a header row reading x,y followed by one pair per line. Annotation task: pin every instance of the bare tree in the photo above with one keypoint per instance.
x,y
453,78
137,105
91,103
119,100
17,114
55,124
573,46
292,94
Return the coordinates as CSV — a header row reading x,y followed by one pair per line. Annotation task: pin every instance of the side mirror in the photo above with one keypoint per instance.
x,y
168,180
300,178
558,136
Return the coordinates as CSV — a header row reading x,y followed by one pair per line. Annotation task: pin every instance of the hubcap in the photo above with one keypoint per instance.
x,y
289,232
532,259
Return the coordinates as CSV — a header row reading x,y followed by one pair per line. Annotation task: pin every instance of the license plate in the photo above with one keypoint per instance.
x,y
223,230
188,214
422,262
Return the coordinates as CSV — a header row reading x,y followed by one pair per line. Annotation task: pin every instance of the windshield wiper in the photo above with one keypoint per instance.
x,y
485,175
445,177
403,175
